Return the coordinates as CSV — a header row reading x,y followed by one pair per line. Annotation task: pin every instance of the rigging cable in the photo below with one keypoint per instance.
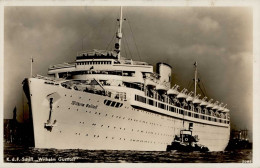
x,y
203,86
127,45
124,49
110,41
189,85
201,90
128,21
113,37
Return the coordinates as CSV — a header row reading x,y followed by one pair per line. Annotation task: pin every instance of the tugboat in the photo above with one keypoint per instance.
x,y
186,142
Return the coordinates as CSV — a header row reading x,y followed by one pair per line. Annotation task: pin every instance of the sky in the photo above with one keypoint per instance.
x,y
219,39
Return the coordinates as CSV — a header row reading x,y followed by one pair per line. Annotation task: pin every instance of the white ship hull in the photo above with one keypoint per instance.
x,y
83,121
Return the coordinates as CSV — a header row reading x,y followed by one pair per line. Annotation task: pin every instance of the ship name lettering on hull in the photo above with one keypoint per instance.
x,y
75,103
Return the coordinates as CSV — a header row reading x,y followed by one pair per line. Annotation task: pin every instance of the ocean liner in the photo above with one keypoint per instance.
x,y
103,101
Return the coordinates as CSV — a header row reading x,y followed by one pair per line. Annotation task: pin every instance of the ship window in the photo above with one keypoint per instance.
x,y
185,112
108,102
113,104
189,114
160,105
117,104
181,111
150,102
209,118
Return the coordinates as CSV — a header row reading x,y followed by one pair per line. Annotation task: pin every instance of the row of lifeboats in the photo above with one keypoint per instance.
x,y
183,94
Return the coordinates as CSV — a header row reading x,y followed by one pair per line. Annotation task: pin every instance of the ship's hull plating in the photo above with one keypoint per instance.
x,y
81,120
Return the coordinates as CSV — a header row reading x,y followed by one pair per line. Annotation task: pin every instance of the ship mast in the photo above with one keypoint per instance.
x,y
119,33
195,79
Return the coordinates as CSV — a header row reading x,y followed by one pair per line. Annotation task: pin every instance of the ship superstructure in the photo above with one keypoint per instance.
x,y
105,101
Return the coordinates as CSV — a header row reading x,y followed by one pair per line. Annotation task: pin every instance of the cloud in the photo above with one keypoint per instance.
x,y
208,25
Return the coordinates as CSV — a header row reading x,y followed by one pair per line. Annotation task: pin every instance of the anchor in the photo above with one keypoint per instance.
x,y
49,124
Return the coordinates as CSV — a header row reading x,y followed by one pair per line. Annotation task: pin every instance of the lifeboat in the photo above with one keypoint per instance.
x,y
181,95
172,92
226,110
196,101
210,105
150,82
204,103
189,98
161,87
216,107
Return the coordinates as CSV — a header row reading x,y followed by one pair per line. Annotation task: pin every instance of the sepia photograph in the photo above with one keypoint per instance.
x,y
128,84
